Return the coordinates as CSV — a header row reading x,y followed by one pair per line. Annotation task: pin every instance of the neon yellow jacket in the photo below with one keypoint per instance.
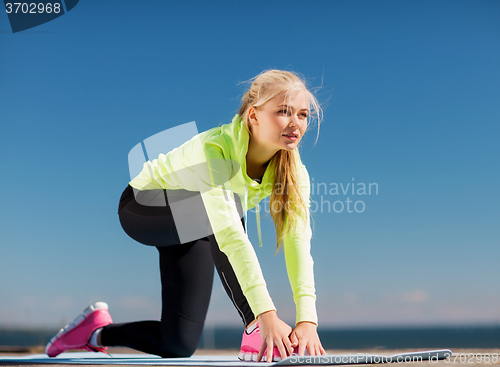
x,y
218,156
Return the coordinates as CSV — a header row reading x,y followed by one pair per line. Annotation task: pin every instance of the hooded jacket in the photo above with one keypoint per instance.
x,y
214,163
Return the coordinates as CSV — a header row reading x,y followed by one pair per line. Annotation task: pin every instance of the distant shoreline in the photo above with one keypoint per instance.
x,y
347,338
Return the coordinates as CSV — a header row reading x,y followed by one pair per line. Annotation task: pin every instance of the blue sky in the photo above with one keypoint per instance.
x,y
411,98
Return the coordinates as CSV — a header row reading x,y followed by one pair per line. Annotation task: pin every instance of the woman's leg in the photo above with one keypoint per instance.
x,y
186,275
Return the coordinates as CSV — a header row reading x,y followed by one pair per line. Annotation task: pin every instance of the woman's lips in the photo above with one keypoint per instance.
x,y
291,137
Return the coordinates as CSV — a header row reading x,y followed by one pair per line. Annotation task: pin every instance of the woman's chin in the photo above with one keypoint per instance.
x,y
290,146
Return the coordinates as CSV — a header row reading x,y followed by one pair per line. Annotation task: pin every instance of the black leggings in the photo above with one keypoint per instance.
x,y
186,272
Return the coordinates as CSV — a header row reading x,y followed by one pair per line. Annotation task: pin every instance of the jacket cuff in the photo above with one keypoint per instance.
x,y
259,300
306,309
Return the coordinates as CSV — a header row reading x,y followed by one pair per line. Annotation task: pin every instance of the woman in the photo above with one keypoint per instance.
x,y
254,156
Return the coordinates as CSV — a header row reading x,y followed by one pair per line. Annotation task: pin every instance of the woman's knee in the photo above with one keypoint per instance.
x,y
185,350
177,349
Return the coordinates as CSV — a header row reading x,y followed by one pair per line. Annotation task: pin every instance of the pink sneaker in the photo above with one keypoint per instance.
x,y
250,346
77,334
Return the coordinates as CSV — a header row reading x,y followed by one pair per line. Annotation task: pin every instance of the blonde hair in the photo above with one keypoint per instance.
x,y
285,194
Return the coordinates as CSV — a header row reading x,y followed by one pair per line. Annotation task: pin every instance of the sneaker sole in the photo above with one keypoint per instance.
x,y
252,357
75,323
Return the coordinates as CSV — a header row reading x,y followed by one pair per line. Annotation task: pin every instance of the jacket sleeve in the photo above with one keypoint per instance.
x,y
223,215
299,262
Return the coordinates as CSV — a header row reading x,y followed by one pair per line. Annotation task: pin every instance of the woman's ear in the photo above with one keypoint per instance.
x,y
252,116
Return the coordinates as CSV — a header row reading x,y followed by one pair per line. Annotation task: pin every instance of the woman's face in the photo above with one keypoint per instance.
x,y
281,122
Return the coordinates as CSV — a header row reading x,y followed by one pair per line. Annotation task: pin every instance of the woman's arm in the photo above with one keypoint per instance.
x,y
299,263
241,254
226,224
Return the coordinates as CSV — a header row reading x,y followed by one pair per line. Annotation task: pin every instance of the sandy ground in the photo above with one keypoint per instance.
x,y
463,357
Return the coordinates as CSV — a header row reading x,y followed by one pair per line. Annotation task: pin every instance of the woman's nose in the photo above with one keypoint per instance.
x,y
295,122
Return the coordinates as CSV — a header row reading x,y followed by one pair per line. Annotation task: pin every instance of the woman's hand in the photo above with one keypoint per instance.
x,y
305,335
274,333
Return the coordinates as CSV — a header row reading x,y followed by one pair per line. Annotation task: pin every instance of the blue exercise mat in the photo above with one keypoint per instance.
x,y
144,359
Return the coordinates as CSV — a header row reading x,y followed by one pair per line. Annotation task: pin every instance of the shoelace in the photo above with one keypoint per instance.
x,y
88,345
